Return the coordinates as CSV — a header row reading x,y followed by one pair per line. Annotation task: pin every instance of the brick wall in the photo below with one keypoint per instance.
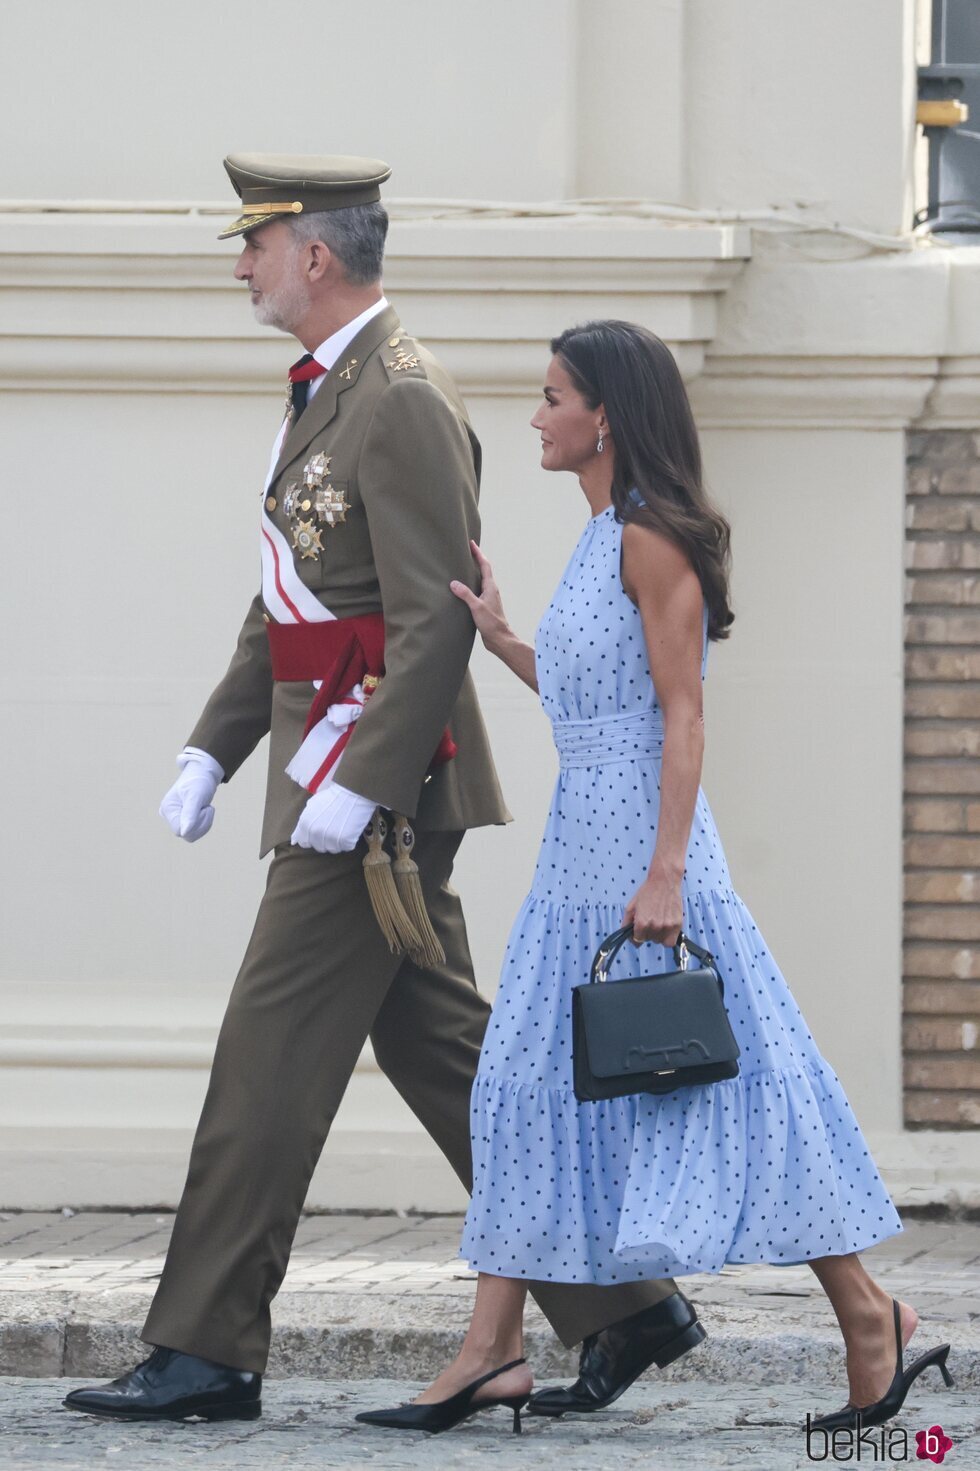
x,y
941,1026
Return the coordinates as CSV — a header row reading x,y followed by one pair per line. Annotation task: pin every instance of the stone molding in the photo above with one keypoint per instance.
x,y
873,392
126,1044
140,302
884,341
814,392
146,303
954,400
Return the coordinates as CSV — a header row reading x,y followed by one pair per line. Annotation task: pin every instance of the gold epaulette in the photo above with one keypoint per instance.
x,y
400,357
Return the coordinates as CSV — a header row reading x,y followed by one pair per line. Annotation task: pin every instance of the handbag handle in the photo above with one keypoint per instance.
x,y
611,946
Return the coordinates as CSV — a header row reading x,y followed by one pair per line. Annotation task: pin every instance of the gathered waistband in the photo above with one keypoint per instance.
x,y
613,738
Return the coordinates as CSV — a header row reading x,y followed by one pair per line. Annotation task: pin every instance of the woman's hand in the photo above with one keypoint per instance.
x,y
486,607
655,910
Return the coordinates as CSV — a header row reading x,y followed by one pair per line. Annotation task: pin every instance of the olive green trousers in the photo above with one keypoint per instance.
x,y
317,979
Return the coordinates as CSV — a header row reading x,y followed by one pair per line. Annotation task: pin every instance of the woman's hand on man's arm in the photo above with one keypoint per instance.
x,y
491,622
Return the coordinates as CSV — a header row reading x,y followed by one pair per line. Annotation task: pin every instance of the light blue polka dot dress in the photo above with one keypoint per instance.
x,y
766,1167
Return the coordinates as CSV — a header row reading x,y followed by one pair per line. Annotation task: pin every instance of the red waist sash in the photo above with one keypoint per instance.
x,y
341,653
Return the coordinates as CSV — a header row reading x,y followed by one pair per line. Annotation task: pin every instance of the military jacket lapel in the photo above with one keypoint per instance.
x,y
344,373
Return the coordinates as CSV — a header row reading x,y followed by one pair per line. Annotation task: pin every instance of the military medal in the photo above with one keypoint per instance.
x,y
316,470
331,505
307,540
314,497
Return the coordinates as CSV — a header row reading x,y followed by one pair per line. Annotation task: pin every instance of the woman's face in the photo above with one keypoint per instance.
x,y
569,429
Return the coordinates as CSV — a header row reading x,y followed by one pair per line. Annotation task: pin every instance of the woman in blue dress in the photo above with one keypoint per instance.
x,y
769,1166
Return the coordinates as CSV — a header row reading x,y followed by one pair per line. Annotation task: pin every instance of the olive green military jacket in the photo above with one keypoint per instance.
x,y
402,452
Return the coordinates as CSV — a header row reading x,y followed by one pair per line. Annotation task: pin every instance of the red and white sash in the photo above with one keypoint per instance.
x,y
287,599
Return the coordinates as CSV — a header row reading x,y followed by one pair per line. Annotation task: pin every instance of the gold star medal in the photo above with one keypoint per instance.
x,y
307,540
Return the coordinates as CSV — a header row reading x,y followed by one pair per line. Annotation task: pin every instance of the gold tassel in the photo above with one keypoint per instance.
x,y
428,952
395,924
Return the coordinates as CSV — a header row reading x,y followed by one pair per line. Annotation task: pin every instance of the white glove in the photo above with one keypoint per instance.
x,y
333,820
187,806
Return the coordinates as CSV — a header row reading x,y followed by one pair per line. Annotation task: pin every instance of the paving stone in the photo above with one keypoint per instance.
x,y
309,1424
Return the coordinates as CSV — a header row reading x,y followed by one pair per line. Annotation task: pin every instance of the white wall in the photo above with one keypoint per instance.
x,y
802,106
130,101
740,104
629,101
803,767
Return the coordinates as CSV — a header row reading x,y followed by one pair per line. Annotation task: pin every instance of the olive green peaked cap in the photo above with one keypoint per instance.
x,y
274,184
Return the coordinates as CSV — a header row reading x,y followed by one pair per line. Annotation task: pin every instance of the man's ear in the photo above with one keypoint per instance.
x,y
318,262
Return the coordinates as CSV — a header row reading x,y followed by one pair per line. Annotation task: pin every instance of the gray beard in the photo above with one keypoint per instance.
x,y
285,308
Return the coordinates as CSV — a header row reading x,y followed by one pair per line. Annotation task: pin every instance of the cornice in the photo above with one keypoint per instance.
x,y
954,399
813,392
145,302
879,342
838,392
179,1048
148,303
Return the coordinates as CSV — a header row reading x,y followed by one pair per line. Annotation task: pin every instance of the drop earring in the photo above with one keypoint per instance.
x,y
601,444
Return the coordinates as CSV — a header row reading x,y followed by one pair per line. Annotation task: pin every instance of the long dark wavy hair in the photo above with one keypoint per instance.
x,y
634,376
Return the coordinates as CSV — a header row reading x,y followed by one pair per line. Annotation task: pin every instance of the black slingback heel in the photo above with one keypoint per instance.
x,y
445,1413
857,1417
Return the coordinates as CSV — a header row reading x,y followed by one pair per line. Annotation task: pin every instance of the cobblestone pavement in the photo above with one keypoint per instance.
x,y
387,1297
309,1424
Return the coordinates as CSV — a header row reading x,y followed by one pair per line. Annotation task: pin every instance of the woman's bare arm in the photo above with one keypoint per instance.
x,y
488,615
662,583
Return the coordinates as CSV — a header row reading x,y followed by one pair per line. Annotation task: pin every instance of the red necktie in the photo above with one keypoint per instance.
x,y
301,375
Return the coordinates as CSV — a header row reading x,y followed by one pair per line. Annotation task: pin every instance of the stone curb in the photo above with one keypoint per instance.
x,y
89,1348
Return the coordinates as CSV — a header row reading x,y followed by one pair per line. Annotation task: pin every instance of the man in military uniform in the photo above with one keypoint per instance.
x,y
353,656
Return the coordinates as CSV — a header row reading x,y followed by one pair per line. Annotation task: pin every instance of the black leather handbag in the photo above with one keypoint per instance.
x,y
652,1034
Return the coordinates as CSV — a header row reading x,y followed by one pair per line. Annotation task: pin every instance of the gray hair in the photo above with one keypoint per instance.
x,y
355,235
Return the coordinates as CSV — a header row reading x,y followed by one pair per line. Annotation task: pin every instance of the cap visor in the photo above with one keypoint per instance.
x,y
246,222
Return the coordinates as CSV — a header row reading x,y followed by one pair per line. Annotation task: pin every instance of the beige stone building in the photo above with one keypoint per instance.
x,y
734,174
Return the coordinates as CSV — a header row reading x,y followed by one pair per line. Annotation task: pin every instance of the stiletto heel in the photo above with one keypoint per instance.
x,y
446,1413
857,1417
934,1356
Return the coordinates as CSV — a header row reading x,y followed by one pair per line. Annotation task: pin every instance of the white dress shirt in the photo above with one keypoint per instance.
x,y
328,352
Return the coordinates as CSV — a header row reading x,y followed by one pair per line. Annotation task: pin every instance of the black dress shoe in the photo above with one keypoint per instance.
x,y
171,1385
612,1359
